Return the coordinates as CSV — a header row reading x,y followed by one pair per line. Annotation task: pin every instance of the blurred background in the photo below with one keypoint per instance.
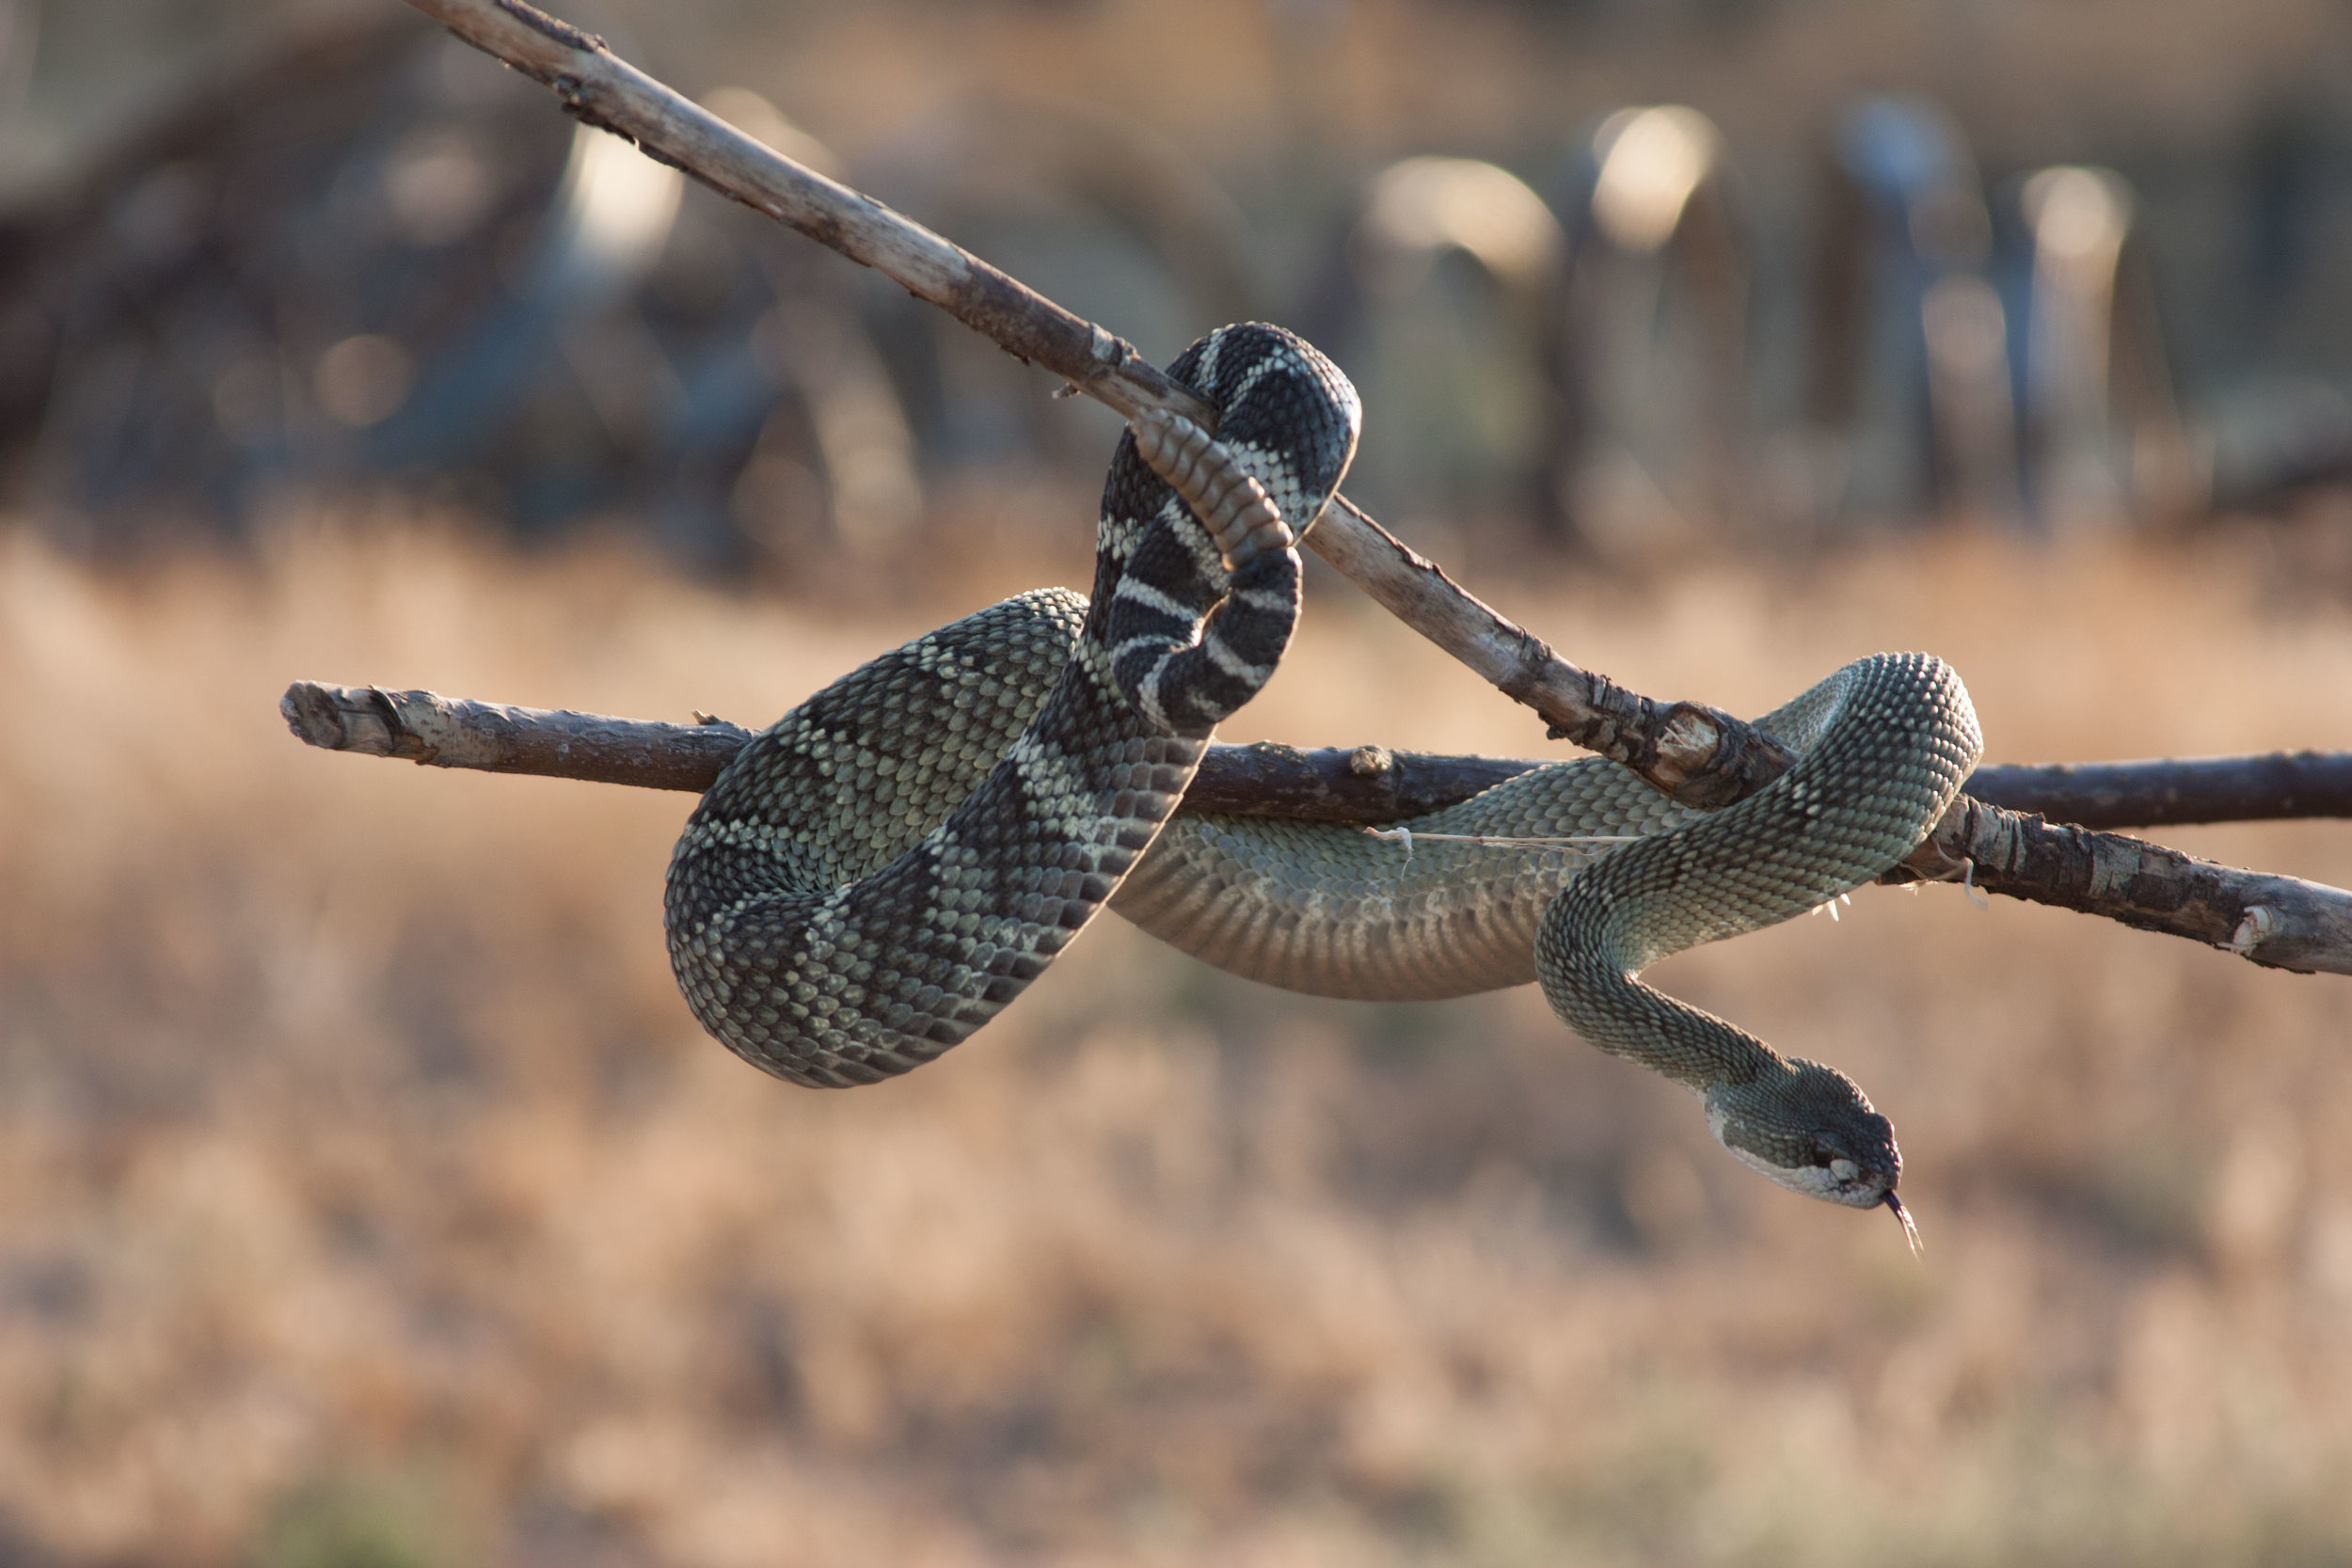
x,y
369,1198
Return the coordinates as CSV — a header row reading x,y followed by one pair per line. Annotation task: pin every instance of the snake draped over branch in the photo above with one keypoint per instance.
x,y
874,876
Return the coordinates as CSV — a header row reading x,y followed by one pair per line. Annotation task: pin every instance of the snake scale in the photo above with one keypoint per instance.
x,y
878,873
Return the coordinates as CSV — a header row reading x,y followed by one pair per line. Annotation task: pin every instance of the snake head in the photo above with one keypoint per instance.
x,y
1809,1128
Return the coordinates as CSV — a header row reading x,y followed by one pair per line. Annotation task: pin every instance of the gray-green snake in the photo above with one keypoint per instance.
x,y
879,873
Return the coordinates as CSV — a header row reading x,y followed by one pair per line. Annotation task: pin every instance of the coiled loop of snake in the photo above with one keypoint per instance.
x,y
882,871
877,875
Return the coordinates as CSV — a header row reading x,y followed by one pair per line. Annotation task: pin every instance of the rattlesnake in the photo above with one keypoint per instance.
x,y
881,872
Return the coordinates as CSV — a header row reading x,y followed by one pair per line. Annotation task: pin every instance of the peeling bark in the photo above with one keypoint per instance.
x,y
2277,921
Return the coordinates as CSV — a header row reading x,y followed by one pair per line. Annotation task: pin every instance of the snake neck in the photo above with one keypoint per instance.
x,y
1586,961
1804,1126
1841,815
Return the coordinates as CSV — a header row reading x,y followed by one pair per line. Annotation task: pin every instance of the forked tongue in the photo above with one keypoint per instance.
x,y
1911,1232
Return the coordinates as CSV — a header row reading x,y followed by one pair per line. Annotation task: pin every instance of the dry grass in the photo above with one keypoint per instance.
x,y
368,1195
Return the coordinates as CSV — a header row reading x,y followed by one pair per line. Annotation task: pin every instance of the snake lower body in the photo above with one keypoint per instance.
x,y
878,873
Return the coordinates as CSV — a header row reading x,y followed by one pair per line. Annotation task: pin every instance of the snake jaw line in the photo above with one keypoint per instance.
x,y
1810,1130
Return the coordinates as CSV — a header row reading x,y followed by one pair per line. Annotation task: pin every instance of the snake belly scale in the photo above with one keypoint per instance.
x,y
878,873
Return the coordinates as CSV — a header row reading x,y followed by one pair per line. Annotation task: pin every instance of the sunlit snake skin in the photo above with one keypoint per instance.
x,y
1335,912
1883,745
875,877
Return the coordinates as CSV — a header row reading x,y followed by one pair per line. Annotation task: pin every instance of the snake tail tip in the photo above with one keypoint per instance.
x,y
1911,1231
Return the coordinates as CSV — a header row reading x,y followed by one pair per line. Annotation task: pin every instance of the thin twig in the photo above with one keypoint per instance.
x,y
2281,922
1699,755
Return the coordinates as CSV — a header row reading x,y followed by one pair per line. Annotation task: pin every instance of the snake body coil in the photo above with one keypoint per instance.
x,y
873,878
1482,901
880,873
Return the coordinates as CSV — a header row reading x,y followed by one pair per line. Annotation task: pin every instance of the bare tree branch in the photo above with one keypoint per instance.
x,y
2281,922
2170,791
1697,755
1363,784
431,730
2277,921
1331,784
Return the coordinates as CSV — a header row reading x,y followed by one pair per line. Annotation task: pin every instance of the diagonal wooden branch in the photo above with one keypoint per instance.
x,y
2277,921
1698,754
2281,922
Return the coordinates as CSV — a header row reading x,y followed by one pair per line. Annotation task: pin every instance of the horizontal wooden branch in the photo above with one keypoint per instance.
x,y
2281,921
435,731
1335,783
1697,755
2171,791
